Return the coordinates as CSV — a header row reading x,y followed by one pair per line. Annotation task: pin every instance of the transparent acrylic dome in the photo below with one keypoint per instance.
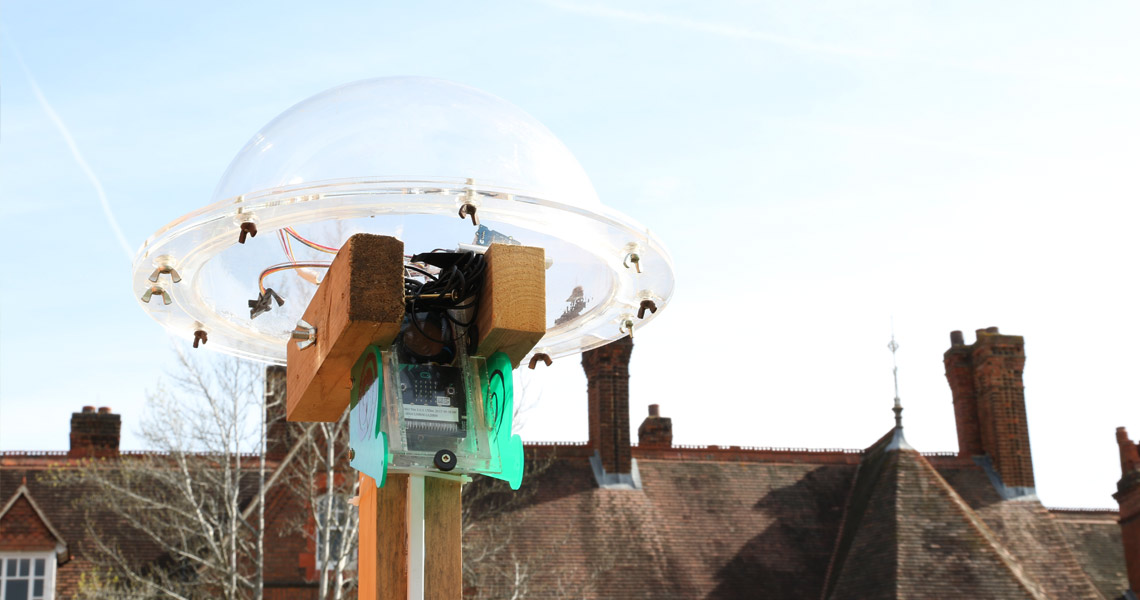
x,y
396,156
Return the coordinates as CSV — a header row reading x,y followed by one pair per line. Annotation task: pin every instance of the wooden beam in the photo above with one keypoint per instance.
x,y
359,302
512,306
382,559
443,539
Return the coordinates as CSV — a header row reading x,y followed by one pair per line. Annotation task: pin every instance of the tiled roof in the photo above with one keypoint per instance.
x,y
697,529
916,538
735,523
718,523
1094,537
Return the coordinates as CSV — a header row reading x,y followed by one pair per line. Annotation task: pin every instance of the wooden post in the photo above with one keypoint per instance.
x,y
443,539
383,561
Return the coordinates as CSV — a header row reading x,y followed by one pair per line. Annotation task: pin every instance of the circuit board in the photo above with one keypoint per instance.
x,y
434,402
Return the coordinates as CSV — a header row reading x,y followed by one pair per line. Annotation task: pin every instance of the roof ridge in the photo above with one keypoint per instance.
x,y
1011,563
855,524
1052,518
839,533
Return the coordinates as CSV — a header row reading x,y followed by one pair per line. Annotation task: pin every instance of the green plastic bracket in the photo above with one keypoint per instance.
x,y
369,444
499,408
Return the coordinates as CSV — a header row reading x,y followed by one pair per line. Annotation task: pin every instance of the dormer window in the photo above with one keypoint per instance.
x,y
27,575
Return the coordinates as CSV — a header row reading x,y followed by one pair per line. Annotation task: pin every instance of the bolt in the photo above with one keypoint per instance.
x,y
627,327
540,356
469,209
249,228
199,336
646,304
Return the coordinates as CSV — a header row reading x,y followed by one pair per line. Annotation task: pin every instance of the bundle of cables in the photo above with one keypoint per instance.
x,y
440,305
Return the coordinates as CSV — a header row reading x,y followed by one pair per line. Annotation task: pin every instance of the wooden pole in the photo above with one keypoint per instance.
x,y
443,539
382,557
385,530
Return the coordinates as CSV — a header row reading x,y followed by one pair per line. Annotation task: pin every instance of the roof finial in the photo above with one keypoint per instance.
x,y
894,347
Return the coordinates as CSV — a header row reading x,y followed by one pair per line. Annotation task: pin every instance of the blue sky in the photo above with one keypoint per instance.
x,y
815,169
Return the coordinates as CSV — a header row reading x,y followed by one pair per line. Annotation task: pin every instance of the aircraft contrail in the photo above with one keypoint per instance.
x,y
59,124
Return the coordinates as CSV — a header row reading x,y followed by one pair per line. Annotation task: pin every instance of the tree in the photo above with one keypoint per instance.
x,y
197,499
497,564
321,476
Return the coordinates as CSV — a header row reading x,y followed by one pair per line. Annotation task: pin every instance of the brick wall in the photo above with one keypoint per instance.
x,y
1128,496
989,402
607,373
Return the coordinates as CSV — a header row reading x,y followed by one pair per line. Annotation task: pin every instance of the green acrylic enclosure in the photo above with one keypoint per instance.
x,y
401,415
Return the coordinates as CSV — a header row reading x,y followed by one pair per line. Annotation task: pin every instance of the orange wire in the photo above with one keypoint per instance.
x,y
287,266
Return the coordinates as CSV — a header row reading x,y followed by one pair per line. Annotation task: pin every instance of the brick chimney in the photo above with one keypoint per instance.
x,y
94,434
989,403
278,437
655,431
607,373
1128,496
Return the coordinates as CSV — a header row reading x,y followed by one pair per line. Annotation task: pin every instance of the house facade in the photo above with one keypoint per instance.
x,y
615,518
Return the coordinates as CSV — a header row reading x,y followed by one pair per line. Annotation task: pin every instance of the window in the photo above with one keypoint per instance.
x,y
27,576
333,532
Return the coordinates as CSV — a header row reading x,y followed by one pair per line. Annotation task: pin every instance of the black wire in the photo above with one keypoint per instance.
x,y
455,287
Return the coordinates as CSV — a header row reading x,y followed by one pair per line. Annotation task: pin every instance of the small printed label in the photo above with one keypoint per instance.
x,y
442,401
431,413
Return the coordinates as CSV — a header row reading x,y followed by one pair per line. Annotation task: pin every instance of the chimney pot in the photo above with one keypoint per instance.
x,y
655,410
956,338
991,330
88,409
104,410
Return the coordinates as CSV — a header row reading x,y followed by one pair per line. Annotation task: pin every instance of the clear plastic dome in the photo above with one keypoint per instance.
x,y
412,128
396,156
